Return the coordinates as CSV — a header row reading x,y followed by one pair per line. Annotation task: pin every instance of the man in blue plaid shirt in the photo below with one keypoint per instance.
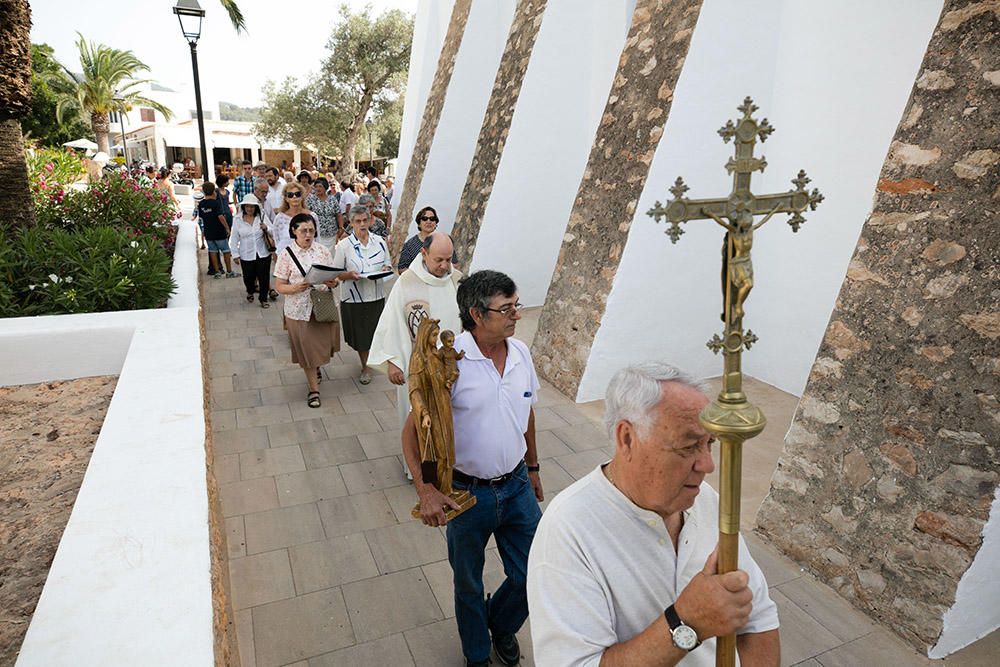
x,y
243,184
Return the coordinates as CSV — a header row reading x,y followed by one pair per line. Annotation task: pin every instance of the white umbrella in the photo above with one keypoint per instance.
x,y
82,143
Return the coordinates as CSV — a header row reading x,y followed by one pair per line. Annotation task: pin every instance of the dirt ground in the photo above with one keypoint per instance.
x,y
47,433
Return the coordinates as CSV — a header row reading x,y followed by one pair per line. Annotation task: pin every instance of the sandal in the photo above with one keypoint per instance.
x,y
312,400
249,298
365,377
272,295
265,304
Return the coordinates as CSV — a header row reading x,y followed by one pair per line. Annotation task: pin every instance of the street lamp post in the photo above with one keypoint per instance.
x,y
121,119
189,15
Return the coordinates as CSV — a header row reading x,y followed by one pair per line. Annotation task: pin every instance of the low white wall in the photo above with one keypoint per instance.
x,y
131,580
835,95
562,99
464,108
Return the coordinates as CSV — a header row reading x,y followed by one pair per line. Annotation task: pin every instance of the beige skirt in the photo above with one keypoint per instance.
x,y
312,342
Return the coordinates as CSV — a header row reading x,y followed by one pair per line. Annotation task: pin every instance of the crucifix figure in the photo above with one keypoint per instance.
x,y
731,417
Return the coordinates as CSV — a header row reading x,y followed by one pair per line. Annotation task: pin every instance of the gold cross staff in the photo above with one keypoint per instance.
x,y
731,417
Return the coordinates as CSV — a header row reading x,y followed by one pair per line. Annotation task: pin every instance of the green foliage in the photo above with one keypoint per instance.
x,y
54,271
53,166
110,82
41,124
116,200
365,70
230,111
386,126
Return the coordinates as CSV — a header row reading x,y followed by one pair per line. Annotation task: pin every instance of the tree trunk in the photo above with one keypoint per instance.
x,y
347,166
14,176
99,121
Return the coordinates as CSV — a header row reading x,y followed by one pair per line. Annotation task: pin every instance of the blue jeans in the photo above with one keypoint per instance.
x,y
510,513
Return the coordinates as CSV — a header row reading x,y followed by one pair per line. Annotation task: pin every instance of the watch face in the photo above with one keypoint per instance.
x,y
685,637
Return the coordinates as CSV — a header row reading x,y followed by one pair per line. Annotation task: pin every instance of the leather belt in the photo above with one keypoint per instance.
x,y
460,476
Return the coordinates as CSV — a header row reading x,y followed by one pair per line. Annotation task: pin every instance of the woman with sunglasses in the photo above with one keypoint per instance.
x,y
427,222
292,203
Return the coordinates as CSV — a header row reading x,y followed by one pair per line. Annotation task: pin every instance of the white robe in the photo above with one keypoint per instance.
x,y
415,296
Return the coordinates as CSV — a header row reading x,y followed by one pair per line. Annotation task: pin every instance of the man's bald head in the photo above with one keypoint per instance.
x,y
437,251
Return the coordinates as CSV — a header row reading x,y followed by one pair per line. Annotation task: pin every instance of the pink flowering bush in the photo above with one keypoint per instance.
x,y
107,246
116,201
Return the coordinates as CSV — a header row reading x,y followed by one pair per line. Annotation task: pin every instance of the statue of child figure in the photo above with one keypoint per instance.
x,y
449,357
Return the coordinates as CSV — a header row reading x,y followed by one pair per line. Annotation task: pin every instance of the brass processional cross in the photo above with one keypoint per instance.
x,y
731,417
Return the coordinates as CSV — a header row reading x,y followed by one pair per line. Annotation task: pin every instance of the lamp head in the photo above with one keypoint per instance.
x,y
189,15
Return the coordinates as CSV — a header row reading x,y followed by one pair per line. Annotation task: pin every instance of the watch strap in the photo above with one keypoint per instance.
x,y
673,620
534,468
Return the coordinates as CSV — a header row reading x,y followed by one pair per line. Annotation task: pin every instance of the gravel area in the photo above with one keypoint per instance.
x,y
47,433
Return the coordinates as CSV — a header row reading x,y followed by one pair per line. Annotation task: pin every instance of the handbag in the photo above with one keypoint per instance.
x,y
323,304
269,240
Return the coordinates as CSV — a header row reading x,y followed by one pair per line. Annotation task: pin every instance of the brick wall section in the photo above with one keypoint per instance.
x,y
891,463
496,124
428,124
627,137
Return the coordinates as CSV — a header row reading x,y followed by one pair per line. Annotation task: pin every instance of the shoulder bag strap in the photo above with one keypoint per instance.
x,y
296,260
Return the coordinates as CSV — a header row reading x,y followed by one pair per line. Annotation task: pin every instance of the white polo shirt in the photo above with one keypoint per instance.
x,y
491,412
602,569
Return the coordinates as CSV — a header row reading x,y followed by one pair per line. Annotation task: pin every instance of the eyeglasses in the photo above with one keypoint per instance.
x,y
508,310
425,218
306,230
293,195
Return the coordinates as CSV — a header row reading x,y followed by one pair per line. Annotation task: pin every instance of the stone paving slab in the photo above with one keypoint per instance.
x,y
328,568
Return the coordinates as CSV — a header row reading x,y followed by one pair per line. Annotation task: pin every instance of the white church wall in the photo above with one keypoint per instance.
x,y
839,94
430,27
975,613
665,301
464,107
834,87
562,99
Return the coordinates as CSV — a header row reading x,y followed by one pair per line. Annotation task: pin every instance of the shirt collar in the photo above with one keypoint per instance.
x,y
421,272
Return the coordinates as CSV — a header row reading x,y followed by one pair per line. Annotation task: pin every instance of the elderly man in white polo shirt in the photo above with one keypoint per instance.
x,y
623,568
495,460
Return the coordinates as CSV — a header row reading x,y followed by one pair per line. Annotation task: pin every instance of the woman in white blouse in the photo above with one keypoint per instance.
x,y
361,299
246,241
293,202
312,342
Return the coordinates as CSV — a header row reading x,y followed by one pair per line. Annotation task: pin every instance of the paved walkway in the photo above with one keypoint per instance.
x,y
327,567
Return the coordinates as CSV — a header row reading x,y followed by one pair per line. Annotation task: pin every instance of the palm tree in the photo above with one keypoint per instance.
x,y
15,100
108,84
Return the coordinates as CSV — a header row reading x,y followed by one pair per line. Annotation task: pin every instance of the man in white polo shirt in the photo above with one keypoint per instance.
x,y
623,567
495,460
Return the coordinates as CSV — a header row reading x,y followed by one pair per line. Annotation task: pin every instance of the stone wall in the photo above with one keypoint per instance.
x,y
496,125
890,466
636,112
429,123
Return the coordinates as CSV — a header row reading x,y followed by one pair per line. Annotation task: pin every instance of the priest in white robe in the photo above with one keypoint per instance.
x,y
427,288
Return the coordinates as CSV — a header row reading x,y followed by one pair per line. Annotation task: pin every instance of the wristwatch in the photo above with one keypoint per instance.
x,y
684,636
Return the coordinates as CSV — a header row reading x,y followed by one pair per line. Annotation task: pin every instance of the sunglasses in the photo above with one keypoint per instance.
x,y
293,195
424,218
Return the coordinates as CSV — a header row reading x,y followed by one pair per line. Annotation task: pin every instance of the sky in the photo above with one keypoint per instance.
x,y
283,39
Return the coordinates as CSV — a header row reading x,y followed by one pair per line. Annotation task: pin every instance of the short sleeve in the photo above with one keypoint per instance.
x,y
571,619
282,268
339,259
